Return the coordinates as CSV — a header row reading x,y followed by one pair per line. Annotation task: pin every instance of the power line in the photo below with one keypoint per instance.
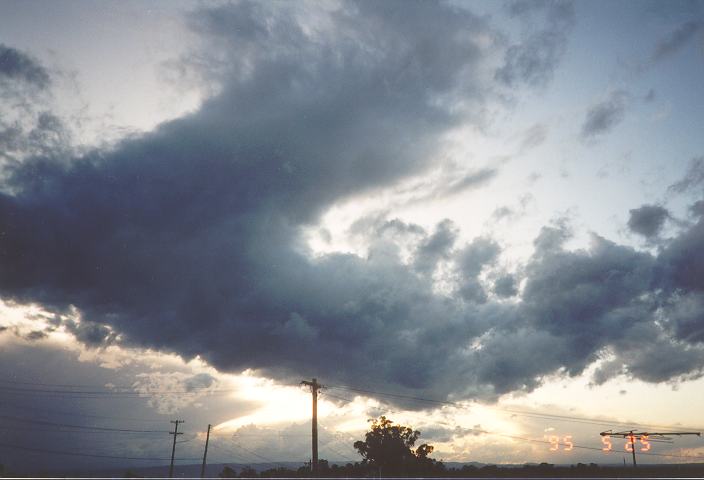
x,y
76,414
328,394
21,390
267,460
62,430
328,447
77,454
78,427
232,454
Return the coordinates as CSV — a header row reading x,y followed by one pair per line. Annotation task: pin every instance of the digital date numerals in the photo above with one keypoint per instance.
x,y
555,443
630,443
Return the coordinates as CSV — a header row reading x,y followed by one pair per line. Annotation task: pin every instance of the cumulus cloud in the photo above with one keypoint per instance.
x,y
603,116
506,286
471,261
189,238
435,247
648,220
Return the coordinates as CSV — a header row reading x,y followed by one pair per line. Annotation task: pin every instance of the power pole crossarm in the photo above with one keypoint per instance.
x,y
314,387
632,436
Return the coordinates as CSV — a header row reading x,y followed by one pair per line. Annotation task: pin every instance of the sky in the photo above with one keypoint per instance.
x,y
481,219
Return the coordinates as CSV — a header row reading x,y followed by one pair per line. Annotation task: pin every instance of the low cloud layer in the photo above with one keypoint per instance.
x,y
189,238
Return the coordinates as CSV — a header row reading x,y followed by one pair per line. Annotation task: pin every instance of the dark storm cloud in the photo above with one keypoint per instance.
x,y
189,238
91,334
17,66
580,305
647,220
605,115
534,60
470,261
435,248
505,286
677,39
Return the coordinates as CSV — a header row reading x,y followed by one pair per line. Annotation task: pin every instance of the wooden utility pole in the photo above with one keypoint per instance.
x,y
205,452
632,439
175,433
314,387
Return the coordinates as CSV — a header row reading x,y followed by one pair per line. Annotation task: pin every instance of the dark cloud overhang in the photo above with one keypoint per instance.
x,y
187,239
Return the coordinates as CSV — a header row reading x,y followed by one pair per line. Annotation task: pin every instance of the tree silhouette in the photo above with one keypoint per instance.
x,y
389,448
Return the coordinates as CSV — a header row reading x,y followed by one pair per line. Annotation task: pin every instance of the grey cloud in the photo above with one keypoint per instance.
x,y
680,263
468,181
508,213
647,220
189,239
470,262
37,134
16,66
450,182
697,208
505,286
677,39
26,127
683,313
605,115
534,60
534,136
607,371
445,434
181,236
693,178
649,354
199,381
436,247
36,335
90,333
502,212
552,238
